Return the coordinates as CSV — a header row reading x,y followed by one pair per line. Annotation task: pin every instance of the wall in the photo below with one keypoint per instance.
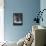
x,y
1,20
28,8
42,6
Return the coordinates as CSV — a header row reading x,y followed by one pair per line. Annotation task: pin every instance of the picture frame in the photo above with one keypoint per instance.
x,y
17,18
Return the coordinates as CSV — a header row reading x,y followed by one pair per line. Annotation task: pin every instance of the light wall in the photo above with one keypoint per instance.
x,y
43,6
1,20
28,8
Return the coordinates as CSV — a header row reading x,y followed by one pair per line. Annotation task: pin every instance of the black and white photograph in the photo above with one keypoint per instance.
x,y
17,19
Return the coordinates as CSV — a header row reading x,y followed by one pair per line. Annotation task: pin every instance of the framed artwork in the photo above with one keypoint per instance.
x,y
17,18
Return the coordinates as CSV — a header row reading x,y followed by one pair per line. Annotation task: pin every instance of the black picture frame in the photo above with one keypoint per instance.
x,y
17,18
